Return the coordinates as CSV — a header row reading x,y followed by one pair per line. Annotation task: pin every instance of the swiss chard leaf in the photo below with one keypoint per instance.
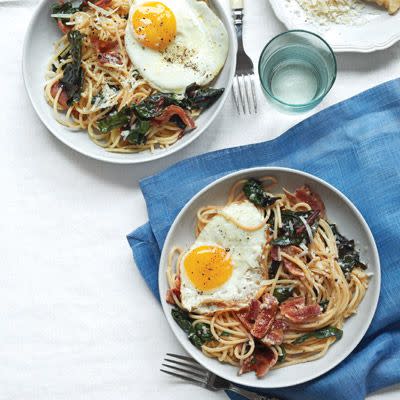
x,y
349,257
182,319
198,334
282,354
273,269
256,194
68,7
324,305
72,80
154,105
197,97
283,293
137,135
293,231
115,120
323,333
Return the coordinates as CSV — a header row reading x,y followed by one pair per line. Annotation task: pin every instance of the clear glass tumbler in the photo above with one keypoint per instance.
x,y
297,69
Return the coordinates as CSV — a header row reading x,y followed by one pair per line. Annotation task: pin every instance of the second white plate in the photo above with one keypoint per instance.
x,y
377,32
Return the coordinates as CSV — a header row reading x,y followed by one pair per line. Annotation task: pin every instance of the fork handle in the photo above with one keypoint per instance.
x,y
235,4
249,395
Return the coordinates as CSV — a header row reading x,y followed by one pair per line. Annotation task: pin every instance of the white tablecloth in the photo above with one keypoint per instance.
x,y
77,321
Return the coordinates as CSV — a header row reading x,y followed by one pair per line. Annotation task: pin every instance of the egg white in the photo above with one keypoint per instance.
x,y
199,31
245,249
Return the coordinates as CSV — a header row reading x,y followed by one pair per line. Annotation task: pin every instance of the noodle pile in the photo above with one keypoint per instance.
x,y
323,281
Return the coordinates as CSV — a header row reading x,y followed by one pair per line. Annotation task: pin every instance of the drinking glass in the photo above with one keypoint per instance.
x,y
297,69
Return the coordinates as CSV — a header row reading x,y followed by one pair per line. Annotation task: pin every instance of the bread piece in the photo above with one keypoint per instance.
x,y
391,5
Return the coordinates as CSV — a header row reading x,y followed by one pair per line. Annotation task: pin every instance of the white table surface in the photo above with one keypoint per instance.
x,y
77,320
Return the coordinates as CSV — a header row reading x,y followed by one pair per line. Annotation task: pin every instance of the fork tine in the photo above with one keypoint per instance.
x,y
186,371
241,89
190,359
253,91
235,93
247,90
186,378
196,367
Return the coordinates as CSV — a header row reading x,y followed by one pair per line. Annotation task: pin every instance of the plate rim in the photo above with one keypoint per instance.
x,y
264,384
372,47
230,61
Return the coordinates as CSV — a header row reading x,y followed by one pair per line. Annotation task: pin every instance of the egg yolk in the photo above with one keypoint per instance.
x,y
154,25
208,267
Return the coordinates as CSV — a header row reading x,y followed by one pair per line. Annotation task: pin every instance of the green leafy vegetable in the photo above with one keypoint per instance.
x,y
324,305
255,193
349,257
283,293
273,269
154,105
72,79
115,120
281,354
198,334
197,97
68,7
293,231
323,333
137,135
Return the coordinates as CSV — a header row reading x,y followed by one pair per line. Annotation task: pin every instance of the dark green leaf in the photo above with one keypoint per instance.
x,y
283,293
321,334
72,79
324,305
255,193
200,98
282,355
115,120
137,135
68,7
182,319
203,331
154,105
273,269
349,257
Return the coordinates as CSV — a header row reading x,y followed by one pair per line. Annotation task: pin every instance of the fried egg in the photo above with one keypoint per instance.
x,y
175,43
222,269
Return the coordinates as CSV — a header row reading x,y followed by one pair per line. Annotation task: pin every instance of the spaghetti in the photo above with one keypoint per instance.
x,y
313,273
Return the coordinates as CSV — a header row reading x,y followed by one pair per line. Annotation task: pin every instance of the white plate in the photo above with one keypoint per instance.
x,y
379,31
38,48
351,224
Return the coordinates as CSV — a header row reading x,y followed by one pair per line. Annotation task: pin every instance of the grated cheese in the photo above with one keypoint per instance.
x,y
338,11
308,229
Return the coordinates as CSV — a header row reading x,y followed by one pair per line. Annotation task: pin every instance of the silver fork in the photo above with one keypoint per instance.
x,y
190,370
243,88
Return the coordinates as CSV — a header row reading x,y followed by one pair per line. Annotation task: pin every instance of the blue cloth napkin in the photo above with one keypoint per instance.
x,y
355,146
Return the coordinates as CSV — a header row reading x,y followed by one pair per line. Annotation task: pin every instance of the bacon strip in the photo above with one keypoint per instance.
x,y
305,195
297,312
265,317
107,51
63,98
176,290
248,316
172,110
103,3
290,266
275,335
262,360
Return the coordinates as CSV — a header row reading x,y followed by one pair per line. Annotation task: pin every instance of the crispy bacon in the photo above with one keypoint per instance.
x,y
305,195
274,253
262,360
176,290
275,334
248,316
290,266
63,98
310,220
63,28
297,312
265,317
107,51
172,110
103,3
